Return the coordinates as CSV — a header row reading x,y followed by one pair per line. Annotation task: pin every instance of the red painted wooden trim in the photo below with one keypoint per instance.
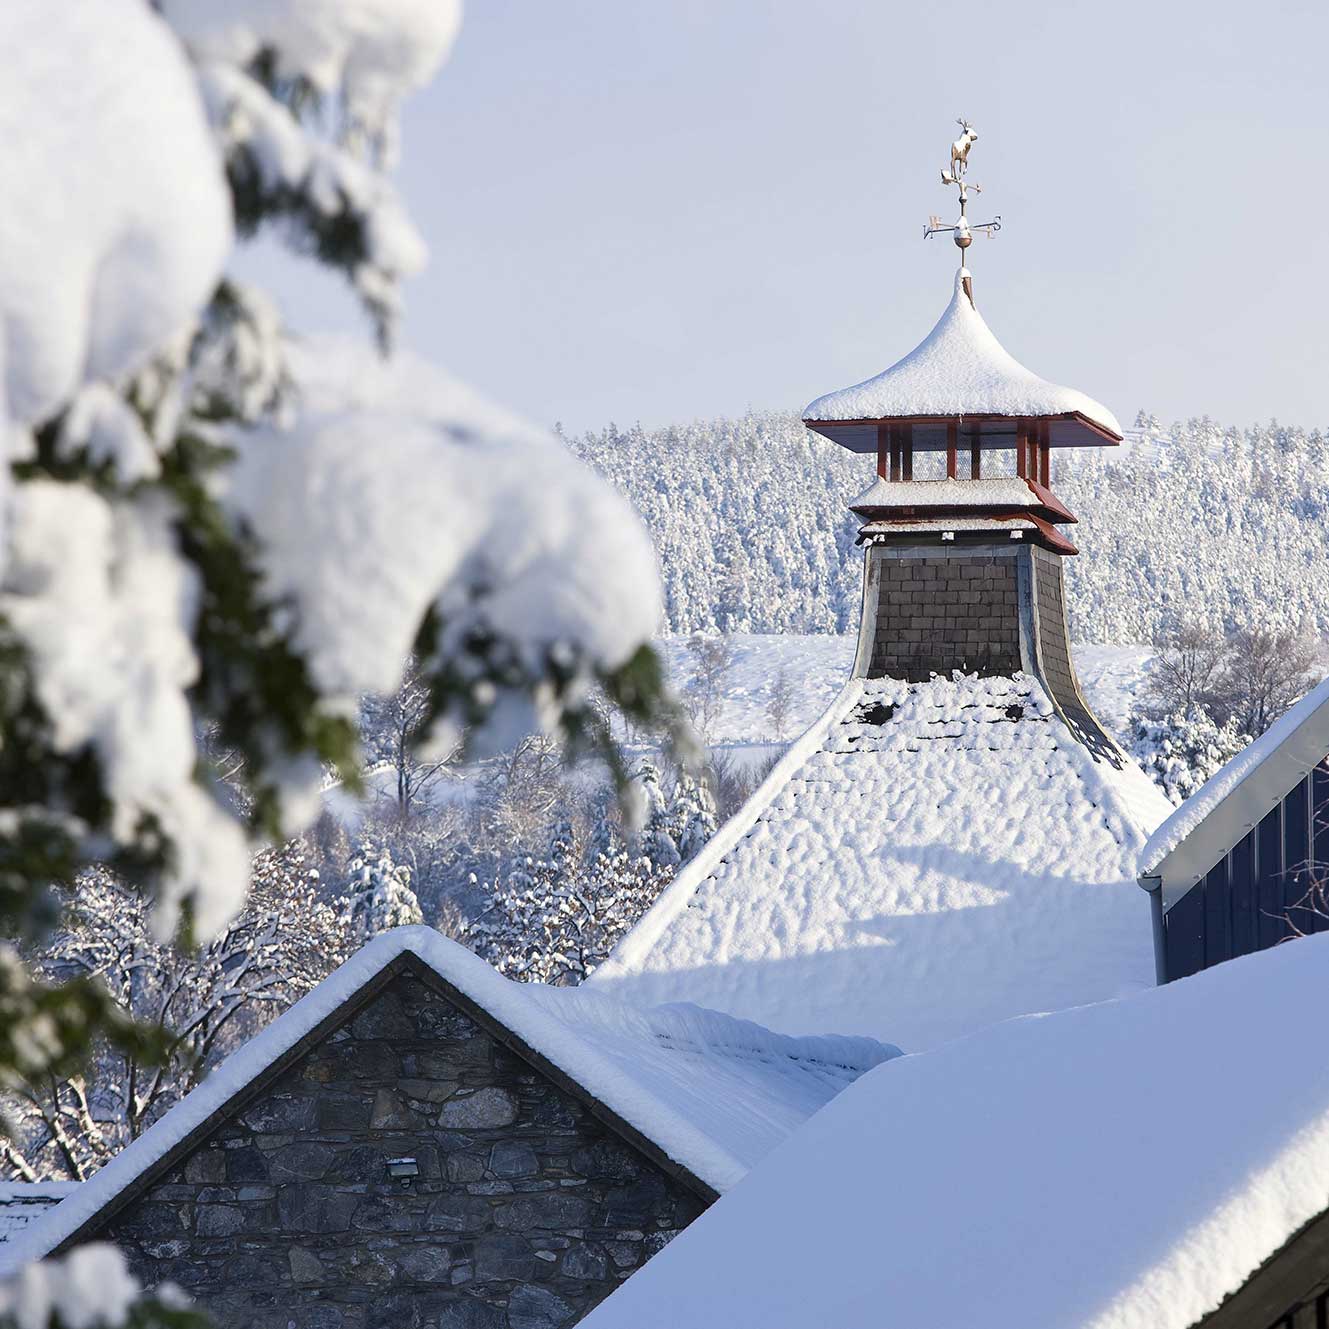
x,y
1075,416
952,439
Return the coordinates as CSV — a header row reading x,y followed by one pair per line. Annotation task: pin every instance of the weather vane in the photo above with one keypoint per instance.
x,y
962,230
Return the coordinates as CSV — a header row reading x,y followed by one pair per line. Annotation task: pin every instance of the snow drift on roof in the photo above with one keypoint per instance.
x,y
743,1086
713,1093
929,858
1032,1174
959,369
1225,782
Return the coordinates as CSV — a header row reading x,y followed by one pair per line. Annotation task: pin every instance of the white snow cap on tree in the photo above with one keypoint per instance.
x,y
117,221
372,52
390,491
379,895
399,488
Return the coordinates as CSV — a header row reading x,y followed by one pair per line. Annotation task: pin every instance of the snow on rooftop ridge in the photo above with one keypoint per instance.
x,y
1034,1146
961,860
1280,740
713,1093
959,369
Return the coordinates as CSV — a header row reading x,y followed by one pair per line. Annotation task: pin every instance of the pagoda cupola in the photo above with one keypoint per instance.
x,y
962,432
963,553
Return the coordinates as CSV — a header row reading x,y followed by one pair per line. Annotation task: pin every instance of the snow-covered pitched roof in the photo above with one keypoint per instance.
x,y
23,1202
960,861
960,369
712,1093
1235,798
1121,1166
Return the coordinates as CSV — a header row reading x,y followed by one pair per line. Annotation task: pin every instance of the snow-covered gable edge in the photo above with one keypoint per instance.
x,y
675,897
505,1009
1236,798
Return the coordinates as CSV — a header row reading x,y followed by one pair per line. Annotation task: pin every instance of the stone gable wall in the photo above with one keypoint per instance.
x,y
526,1213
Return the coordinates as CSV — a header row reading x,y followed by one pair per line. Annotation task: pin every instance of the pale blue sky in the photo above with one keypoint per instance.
x,y
662,211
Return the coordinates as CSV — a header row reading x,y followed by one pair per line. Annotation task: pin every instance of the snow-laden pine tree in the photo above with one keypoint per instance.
x,y
1180,751
658,839
692,813
555,918
378,895
164,567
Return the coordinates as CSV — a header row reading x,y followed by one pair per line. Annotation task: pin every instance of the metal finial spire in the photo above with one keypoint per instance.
x,y
963,232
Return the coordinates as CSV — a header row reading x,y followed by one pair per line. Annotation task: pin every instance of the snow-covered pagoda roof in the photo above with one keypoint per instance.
x,y
927,859
960,372
1237,797
709,1093
1127,1165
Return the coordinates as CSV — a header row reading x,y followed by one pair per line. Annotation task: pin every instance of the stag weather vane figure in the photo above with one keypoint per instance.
x,y
962,231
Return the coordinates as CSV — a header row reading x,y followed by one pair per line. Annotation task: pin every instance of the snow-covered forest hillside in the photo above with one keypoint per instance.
x,y
1219,526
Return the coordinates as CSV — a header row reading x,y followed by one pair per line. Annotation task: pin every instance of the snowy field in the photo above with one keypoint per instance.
x,y
817,666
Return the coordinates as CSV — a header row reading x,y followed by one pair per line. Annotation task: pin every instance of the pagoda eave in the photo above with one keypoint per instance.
x,y
938,499
967,530
986,431
869,513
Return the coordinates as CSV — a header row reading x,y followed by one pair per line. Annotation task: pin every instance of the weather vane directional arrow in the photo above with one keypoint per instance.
x,y
962,231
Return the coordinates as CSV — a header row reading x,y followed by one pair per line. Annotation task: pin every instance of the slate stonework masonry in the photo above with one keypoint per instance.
x,y
526,1211
942,611
982,608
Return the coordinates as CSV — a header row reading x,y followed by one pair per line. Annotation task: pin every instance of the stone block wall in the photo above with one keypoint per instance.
x,y
944,611
527,1210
